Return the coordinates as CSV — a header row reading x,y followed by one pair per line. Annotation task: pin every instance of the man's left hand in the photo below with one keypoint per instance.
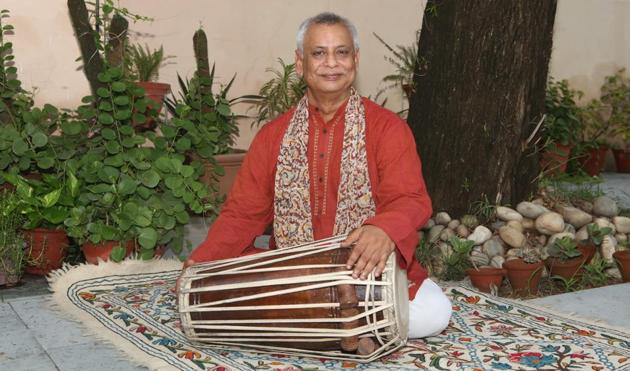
x,y
371,248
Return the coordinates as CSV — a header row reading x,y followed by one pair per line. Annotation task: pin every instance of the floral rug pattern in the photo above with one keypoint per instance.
x,y
485,333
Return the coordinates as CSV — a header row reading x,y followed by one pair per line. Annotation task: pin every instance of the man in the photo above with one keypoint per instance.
x,y
337,163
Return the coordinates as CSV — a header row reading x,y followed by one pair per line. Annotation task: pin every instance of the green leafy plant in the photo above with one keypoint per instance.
x,y
482,209
562,121
12,253
425,253
278,94
405,60
595,272
145,63
616,93
458,261
596,233
568,284
564,249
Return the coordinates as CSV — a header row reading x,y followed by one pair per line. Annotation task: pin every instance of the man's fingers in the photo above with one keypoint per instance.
x,y
352,238
368,268
380,267
356,253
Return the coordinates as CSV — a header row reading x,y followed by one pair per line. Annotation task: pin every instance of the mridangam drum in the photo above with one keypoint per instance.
x,y
300,300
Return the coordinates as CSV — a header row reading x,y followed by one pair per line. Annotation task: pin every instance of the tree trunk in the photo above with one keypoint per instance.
x,y
479,96
92,61
117,41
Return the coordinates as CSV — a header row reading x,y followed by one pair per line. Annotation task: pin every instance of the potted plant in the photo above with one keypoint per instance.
x,y
405,59
616,93
486,278
458,261
622,258
596,235
144,67
560,126
45,204
525,273
131,193
565,259
11,240
591,150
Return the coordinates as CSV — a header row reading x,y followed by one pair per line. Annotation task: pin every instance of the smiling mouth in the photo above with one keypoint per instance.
x,y
332,76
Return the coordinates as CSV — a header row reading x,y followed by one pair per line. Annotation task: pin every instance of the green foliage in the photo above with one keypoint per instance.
x,y
145,63
616,94
11,239
405,60
594,273
425,253
568,284
562,121
459,260
482,209
596,233
279,94
564,249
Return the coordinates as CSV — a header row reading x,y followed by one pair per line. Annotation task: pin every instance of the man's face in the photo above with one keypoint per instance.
x,y
329,62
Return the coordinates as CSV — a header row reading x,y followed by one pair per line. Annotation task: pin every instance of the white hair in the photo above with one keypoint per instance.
x,y
327,18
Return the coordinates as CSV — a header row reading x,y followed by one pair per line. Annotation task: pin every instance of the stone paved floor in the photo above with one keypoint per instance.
x,y
34,337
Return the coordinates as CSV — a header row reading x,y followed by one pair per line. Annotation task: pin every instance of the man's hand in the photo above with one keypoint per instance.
x,y
371,248
187,264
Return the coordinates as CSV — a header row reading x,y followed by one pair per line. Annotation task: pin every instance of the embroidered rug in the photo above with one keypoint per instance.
x,y
133,306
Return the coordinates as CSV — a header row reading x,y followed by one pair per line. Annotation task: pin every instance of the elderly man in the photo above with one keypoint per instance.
x,y
336,163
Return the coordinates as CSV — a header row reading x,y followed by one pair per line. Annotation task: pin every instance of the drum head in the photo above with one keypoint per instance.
x,y
401,300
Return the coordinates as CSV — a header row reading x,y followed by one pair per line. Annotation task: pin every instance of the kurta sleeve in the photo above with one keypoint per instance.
x,y
403,204
249,206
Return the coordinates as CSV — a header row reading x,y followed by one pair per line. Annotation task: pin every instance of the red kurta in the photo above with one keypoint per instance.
x,y
402,202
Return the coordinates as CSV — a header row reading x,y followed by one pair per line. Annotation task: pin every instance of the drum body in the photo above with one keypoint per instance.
x,y
300,300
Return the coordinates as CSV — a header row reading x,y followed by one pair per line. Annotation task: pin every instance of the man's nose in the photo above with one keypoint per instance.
x,y
331,59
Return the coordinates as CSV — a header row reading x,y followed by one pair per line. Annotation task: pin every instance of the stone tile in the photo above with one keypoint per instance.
x,y
601,304
16,344
91,356
30,285
11,322
28,362
49,326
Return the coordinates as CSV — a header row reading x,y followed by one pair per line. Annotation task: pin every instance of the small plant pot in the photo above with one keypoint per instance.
x,y
94,252
593,161
156,91
485,278
524,277
588,250
623,262
566,269
554,160
622,160
47,248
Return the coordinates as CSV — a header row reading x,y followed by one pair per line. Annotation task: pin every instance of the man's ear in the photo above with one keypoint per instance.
x,y
299,66
356,58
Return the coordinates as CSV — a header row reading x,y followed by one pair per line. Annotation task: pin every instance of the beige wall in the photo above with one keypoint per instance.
x,y
244,37
591,40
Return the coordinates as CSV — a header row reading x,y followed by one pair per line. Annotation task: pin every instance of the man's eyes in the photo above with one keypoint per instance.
x,y
340,52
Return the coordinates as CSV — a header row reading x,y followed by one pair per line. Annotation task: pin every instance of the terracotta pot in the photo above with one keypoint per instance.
x,y
94,252
231,163
623,262
524,277
485,278
554,159
588,250
566,269
622,160
46,251
593,161
156,91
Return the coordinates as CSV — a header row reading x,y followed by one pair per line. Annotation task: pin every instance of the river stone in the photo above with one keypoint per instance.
x,y
434,233
493,247
445,249
585,206
516,225
429,224
605,223
528,224
462,231
607,249
605,206
582,234
575,216
560,235
507,214
446,234
480,235
538,201
550,223
453,224
613,272
569,228
470,221
497,261
512,237
442,218
622,223
514,253
478,258
531,210
496,225
620,237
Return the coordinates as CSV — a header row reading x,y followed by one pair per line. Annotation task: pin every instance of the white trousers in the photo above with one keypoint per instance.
x,y
429,312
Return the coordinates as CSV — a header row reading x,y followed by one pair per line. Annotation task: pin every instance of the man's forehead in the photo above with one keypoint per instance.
x,y
323,35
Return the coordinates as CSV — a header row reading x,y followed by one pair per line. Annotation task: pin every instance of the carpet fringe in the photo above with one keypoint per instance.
x,y
61,279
